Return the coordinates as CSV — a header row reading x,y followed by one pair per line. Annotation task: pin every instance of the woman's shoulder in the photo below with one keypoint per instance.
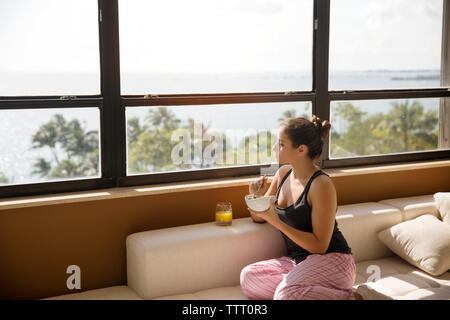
x,y
321,189
281,173
321,179
283,170
322,183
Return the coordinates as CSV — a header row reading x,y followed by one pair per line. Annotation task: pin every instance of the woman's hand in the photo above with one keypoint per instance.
x,y
269,215
258,187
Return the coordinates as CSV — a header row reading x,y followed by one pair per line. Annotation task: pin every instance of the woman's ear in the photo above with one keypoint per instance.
x,y
303,149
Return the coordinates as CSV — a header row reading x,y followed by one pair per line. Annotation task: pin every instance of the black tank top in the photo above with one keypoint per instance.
x,y
298,215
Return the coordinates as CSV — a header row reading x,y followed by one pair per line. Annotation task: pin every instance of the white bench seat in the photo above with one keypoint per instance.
x,y
204,261
108,293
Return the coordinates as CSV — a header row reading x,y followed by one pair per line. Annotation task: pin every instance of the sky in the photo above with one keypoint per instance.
x,y
220,35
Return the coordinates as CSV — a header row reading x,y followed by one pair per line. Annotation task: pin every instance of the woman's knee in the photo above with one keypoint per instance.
x,y
250,279
295,292
248,273
311,292
283,291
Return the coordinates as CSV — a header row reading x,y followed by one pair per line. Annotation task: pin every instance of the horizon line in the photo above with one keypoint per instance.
x,y
223,72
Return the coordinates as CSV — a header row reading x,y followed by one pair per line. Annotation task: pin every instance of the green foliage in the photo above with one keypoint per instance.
x,y
292,113
257,148
405,128
410,128
151,152
74,151
3,178
150,143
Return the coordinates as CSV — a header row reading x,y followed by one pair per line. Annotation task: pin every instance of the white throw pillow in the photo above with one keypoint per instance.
x,y
442,200
423,242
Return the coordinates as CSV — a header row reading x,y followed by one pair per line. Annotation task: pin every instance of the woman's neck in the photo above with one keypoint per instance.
x,y
303,170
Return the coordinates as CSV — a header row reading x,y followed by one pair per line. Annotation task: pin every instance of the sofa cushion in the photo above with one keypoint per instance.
x,y
424,242
109,293
387,266
402,287
427,294
370,270
362,221
187,259
413,207
223,293
421,285
399,280
443,205
193,258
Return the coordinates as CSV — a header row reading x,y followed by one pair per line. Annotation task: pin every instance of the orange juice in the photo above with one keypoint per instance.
x,y
224,217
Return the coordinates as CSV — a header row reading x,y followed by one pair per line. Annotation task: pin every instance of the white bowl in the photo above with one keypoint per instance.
x,y
258,204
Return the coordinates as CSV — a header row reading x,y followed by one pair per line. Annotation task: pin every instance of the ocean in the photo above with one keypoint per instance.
x,y
17,126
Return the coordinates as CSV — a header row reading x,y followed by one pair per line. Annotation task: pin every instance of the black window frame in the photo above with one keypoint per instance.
x,y
112,104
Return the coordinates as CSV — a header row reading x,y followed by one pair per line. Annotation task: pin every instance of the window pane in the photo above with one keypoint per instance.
x,y
206,46
40,145
377,44
373,127
52,47
161,139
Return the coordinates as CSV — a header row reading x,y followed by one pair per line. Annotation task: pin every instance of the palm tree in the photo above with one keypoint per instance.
x,y
405,128
49,135
286,115
162,117
357,139
42,168
291,113
79,149
411,125
149,144
134,130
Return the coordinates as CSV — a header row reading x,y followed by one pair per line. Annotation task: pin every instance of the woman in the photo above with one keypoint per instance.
x,y
319,263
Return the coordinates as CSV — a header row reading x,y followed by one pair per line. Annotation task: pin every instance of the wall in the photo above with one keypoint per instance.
x,y
37,244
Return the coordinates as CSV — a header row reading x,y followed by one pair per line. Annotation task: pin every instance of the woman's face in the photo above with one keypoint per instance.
x,y
284,151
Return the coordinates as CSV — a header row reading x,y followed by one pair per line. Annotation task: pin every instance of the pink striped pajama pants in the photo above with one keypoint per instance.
x,y
328,276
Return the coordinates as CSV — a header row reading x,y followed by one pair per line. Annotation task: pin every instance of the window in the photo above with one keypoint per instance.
x,y
211,46
385,78
374,127
379,44
50,133
49,145
114,93
52,48
161,139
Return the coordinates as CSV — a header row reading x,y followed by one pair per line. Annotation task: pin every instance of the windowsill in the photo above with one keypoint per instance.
x,y
113,193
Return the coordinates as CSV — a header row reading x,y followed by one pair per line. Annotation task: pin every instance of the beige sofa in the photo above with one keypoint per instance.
x,y
204,261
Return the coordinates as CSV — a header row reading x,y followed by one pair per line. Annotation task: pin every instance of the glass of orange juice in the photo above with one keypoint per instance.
x,y
224,214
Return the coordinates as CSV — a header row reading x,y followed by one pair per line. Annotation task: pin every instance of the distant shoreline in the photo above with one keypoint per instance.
x,y
431,77
224,72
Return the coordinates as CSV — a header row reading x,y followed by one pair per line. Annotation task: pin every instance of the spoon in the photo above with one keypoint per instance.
x,y
259,188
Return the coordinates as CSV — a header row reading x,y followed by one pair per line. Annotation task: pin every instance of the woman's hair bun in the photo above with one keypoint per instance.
x,y
323,127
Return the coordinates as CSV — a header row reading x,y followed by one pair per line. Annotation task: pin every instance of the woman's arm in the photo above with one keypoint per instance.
x,y
323,202
281,172
271,191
